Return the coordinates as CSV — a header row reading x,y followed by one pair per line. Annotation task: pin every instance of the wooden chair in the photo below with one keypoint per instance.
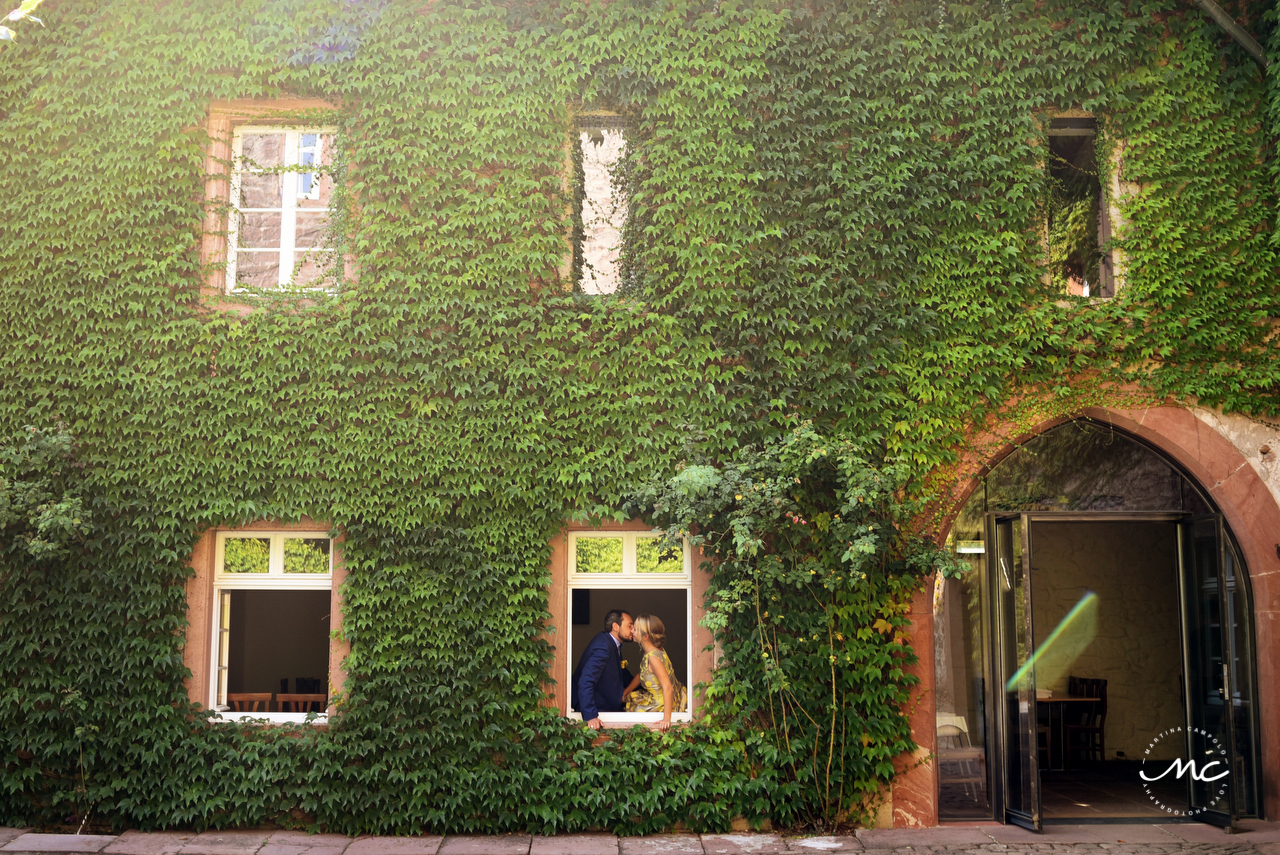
x,y
302,702
309,685
249,701
1043,742
959,763
1086,732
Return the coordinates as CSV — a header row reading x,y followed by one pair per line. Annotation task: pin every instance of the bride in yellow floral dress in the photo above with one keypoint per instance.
x,y
656,689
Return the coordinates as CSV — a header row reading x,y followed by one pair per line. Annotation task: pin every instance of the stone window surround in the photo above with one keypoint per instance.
x,y
1114,188
1251,511
197,653
224,117
557,689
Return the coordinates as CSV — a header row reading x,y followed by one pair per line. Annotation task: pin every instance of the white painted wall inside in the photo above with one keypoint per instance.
x,y
278,634
1132,567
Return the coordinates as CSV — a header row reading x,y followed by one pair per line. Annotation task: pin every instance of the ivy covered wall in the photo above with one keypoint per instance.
x,y
835,218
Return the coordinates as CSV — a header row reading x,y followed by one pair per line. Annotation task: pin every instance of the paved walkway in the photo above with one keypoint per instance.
x,y
1256,838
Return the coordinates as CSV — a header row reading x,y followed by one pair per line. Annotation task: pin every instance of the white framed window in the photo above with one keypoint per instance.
x,y
281,192
272,604
637,573
602,145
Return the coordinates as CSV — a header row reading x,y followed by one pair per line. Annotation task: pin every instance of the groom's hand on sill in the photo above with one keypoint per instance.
x,y
595,723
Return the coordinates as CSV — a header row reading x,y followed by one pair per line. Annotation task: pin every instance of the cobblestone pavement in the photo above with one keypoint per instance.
x,y
1255,838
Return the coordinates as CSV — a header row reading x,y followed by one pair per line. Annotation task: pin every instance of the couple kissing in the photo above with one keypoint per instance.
x,y
601,684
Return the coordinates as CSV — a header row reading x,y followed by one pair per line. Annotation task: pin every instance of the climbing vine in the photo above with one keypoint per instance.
x,y
836,225
815,565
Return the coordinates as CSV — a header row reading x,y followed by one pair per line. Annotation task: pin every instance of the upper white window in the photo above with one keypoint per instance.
x,y
271,624
604,211
626,560
281,190
635,572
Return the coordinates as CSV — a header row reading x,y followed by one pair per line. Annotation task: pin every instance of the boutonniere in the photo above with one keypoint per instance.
x,y
624,663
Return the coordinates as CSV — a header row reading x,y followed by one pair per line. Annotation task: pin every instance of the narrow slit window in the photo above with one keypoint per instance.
x,y
1078,221
602,208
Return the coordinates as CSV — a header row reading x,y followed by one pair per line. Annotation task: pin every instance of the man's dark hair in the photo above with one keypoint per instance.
x,y
613,616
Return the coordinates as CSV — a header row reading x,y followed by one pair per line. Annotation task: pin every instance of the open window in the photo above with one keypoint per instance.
x,y
270,650
600,213
1077,212
635,572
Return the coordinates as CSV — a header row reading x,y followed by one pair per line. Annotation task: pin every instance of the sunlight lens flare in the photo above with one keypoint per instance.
x,y
1067,641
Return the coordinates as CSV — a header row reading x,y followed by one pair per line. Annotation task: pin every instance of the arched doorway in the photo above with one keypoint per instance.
x,y
1102,631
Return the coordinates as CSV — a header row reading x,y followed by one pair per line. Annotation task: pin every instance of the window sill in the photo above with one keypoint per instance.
x,y
226,717
621,721
1076,300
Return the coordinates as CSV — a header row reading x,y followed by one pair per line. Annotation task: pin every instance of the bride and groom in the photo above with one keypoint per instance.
x,y
600,683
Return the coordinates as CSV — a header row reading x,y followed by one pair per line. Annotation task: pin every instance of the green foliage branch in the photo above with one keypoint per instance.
x,y
814,563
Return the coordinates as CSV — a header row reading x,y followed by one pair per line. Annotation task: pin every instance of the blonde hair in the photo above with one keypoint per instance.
x,y
651,627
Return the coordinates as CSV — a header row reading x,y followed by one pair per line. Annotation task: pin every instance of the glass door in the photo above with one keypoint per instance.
x,y
1207,669
1009,584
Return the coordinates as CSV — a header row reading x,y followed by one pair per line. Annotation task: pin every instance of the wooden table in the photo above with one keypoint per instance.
x,y
1057,703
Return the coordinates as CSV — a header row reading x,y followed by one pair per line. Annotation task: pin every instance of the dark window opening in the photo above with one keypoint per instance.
x,y
581,607
671,605
279,643
1078,220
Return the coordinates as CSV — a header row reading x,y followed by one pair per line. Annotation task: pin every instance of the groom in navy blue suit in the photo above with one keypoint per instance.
x,y
598,679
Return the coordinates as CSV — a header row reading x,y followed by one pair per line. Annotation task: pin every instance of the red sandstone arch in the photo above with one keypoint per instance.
x,y
1250,511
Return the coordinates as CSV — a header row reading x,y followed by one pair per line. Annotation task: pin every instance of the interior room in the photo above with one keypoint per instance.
x,y
588,607
1091,751
279,642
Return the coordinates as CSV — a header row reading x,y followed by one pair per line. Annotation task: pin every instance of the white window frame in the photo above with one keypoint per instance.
x,y
275,579
629,578
289,196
